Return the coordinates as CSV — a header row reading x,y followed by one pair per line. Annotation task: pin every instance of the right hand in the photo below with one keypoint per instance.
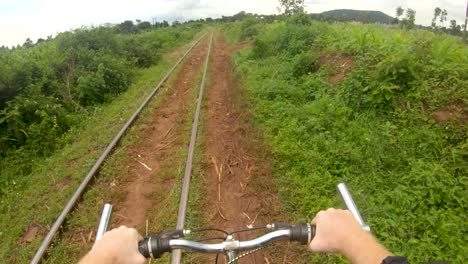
x,y
335,230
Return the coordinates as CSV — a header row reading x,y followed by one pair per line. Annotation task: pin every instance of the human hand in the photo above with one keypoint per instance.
x,y
337,231
119,245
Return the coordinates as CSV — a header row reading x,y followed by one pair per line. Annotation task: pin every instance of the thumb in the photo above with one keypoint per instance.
x,y
315,245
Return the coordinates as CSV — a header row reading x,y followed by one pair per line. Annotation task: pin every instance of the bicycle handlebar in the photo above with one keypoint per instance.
x,y
155,246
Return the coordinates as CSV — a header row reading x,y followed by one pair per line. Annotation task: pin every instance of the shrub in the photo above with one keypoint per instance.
x,y
248,28
393,78
374,130
37,121
304,63
260,49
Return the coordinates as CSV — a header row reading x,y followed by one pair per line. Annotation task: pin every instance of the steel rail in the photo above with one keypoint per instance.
x,y
177,254
71,203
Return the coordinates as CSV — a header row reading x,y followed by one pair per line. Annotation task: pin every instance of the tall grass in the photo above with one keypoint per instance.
x,y
375,130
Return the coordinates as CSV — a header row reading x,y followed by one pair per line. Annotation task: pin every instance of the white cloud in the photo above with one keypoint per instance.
x,y
21,19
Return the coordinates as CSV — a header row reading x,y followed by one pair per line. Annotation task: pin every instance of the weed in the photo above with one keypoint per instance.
x,y
373,131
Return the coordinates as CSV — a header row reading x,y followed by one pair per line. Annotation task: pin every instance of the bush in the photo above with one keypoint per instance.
x,y
260,49
393,78
248,28
142,49
374,130
304,63
93,88
111,78
36,121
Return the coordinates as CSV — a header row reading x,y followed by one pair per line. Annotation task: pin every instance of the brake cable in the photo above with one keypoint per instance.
x,y
245,254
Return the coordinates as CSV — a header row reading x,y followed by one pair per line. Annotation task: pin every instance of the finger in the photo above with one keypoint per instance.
x,y
313,246
136,234
318,216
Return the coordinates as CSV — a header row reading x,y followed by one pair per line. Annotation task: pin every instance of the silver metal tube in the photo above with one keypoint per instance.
x,y
61,218
177,254
233,245
350,205
104,223
196,246
265,239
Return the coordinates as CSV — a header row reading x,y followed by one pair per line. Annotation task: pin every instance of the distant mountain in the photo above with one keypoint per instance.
x,y
357,15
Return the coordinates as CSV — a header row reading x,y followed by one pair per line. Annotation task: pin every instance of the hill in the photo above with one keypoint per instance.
x,y
357,15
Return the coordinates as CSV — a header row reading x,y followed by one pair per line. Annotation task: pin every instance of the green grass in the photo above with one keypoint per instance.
x,y
161,217
39,198
375,130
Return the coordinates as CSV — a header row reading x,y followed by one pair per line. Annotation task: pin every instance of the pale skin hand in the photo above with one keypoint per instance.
x,y
117,246
337,231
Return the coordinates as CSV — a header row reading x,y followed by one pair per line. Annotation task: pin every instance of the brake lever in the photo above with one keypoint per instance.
x,y
172,234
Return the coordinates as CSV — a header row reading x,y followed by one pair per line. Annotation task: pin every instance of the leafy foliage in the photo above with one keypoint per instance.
x,y
291,7
374,130
304,63
47,88
410,18
357,15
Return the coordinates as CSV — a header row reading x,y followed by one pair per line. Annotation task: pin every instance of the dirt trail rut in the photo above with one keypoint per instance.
x,y
158,143
241,189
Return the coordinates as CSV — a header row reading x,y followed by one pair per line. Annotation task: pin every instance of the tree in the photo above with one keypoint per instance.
x,y
28,43
291,7
454,28
453,24
144,26
126,27
443,16
399,12
408,21
437,12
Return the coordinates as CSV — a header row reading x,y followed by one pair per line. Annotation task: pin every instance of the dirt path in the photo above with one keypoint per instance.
x,y
241,189
159,144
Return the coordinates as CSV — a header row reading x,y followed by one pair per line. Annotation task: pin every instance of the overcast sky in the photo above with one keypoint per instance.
x,y
20,19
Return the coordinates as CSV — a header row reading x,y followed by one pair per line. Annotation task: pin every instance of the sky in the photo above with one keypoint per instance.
x,y
22,19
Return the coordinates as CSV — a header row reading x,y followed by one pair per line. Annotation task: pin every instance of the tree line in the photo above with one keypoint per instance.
x,y
437,22
291,7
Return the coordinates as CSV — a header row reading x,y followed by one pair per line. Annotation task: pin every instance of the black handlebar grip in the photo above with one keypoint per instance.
x,y
153,246
303,233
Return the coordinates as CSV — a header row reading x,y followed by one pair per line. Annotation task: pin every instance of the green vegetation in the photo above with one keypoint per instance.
x,y
378,127
381,109
162,216
35,185
291,7
356,15
49,88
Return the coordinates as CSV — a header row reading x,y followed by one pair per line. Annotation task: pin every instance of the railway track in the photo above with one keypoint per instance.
x,y
114,143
